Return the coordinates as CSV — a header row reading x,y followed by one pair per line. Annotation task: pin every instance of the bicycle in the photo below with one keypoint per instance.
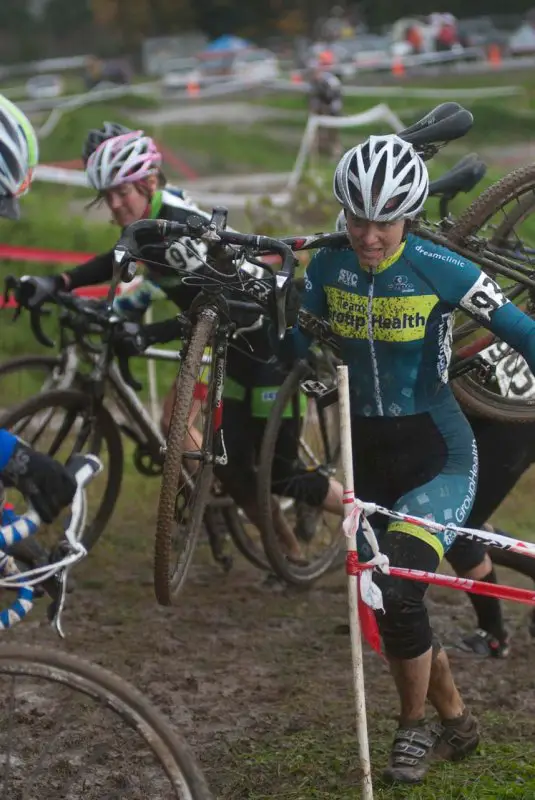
x,y
208,323
32,726
84,399
500,384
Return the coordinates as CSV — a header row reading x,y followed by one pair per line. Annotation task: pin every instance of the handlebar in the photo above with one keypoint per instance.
x,y
212,232
64,299
83,469
108,321
88,314
335,241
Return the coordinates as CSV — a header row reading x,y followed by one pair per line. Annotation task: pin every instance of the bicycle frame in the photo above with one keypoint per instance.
x,y
147,432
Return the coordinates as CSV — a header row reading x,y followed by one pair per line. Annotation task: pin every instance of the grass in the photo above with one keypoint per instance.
x,y
66,140
322,764
230,149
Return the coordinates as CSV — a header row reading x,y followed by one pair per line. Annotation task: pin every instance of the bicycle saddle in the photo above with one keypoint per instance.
x,y
444,123
460,178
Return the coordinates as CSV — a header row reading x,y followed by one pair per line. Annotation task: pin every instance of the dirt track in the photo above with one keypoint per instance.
x,y
257,679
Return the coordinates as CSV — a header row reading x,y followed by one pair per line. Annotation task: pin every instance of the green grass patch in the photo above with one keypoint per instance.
x,y
506,119
229,149
321,763
66,140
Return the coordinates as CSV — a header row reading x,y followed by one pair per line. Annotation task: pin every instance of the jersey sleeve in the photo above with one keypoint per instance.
x,y
7,446
313,300
97,270
463,285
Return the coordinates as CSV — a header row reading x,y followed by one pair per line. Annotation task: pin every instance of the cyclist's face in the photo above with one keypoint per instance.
x,y
374,241
128,203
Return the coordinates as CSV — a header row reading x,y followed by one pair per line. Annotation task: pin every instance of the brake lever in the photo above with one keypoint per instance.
x,y
12,284
124,270
283,281
35,324
281,290
128,378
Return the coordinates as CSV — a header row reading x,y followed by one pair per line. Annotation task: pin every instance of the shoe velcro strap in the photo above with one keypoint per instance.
x,y
398,760
456,738
411,744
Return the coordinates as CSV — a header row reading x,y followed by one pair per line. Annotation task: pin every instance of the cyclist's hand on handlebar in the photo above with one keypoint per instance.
x,y
130,340
41,479
34,290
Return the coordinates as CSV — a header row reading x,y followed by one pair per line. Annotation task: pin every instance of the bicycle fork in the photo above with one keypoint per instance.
x,y
219,451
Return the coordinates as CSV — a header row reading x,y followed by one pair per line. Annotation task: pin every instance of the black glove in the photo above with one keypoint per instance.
x,y
42,480
130,340
34,290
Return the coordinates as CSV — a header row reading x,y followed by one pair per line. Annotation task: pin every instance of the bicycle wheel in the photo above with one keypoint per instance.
x,y
61,423
183,495
130,749
505,389
21,378
316,450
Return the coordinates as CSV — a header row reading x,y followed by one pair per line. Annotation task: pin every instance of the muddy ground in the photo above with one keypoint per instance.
x,y
258,680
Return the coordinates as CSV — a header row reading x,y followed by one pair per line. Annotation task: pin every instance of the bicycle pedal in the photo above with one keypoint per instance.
x,y
314,388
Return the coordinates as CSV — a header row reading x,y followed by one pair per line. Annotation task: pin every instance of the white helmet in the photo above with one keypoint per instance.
x,y
382,180
19,153
127,158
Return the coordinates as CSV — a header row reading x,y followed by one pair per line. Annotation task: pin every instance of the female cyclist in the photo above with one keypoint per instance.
x,y
390,298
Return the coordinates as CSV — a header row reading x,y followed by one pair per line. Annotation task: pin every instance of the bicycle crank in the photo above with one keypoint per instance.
x,y
146,464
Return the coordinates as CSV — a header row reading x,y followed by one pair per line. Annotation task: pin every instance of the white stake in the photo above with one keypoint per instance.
x,y
154,400
352,587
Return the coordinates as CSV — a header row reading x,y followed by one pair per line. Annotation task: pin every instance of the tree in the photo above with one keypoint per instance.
x,y
134,20
66,15
17,27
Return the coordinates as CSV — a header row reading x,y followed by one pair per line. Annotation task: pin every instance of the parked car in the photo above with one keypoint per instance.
x,y
349,55
481,32
522,42
251,65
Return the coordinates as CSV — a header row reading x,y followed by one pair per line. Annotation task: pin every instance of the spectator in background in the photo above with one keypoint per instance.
x,y
445,27
415,38
325,99
113,71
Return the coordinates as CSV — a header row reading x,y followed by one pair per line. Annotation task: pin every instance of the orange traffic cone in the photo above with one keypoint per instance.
x,y
398,68
494,55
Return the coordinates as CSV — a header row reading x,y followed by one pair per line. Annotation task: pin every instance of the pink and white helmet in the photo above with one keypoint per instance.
x,y
128,158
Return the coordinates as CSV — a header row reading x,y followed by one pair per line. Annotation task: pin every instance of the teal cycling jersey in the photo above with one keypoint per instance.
x,y
395,322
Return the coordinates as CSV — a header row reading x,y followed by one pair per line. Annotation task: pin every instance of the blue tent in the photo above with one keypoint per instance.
x,y
225,43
